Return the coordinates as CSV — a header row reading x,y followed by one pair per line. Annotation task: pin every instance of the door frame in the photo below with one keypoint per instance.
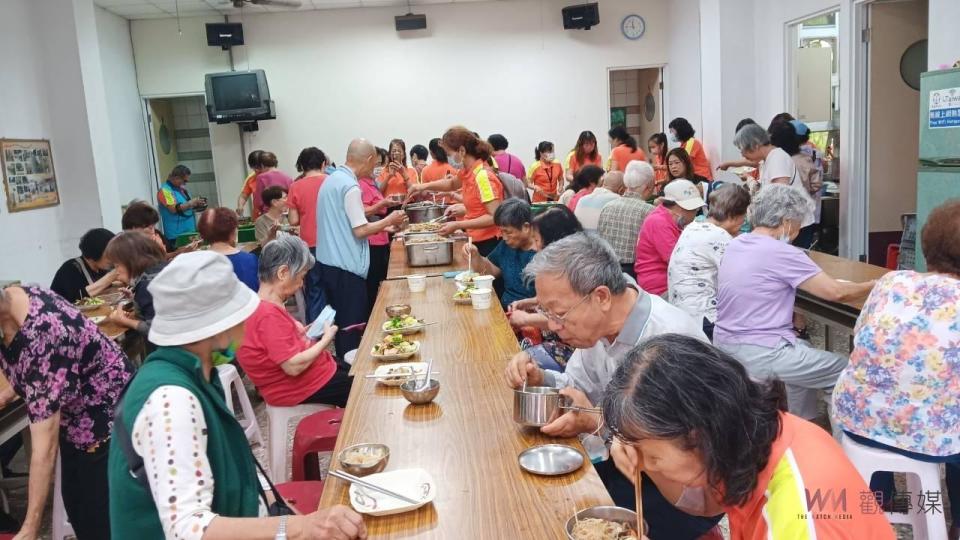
x,y
663,95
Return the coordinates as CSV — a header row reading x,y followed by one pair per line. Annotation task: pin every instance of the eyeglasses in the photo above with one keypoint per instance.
x,y
561,320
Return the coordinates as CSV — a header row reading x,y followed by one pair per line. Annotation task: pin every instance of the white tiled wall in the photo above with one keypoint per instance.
x,y
628,89
189,114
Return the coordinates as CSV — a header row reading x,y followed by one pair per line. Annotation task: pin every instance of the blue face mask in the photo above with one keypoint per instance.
x,y
673,137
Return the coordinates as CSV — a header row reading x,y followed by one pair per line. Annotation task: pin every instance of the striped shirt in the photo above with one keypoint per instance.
x,y
808,490
619,224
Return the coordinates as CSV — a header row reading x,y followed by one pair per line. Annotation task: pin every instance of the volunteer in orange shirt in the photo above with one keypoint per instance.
x,y
585,153
438,169
681,131
674,404
397,177
482,190
657,144
250,184
545,176
625,149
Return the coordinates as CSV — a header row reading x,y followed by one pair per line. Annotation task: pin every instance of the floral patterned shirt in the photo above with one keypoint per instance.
x,y
692,273
60,361
902,386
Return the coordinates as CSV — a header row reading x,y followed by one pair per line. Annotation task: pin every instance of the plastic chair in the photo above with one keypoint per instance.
x,y
921,477
61,525
304,496
278,425
315,433
230,378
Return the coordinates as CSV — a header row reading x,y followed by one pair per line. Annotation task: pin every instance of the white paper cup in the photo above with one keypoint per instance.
x,y
483,282
481,298
417,282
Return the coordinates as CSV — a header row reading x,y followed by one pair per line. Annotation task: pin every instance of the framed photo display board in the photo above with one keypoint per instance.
x,y
28,175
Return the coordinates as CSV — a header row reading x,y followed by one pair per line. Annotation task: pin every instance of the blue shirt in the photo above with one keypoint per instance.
x,y
511,263
336,244
245,267
175,223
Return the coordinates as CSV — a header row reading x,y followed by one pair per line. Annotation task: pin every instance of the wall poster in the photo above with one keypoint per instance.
x,y
28,174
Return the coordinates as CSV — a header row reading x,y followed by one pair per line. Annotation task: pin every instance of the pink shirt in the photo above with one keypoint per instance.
x,y
572,204
303,198
272,338
370,196
510,163
267,179
658,236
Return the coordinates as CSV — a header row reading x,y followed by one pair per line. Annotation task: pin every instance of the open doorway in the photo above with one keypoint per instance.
x,y
180,135
814,96
895,42
636,101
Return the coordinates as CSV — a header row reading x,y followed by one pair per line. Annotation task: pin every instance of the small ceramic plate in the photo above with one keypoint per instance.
x,y
414,483
397,374
395,357
551,459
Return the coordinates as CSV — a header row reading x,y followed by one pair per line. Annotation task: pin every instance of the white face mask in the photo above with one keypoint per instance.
x,y
454,161
548,156
785,236
673,137
692,500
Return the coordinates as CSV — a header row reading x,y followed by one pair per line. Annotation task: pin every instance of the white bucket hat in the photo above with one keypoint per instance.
x,y
198,296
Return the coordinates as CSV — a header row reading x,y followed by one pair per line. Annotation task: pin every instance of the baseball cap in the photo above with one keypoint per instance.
x,y
684,193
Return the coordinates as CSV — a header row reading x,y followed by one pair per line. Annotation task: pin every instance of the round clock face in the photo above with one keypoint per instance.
x,y
633,27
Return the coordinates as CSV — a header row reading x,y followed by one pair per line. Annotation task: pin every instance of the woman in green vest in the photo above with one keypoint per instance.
x,y
180,465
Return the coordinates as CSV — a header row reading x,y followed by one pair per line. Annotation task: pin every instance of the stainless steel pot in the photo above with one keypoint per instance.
x,y
430,253
423,212
537,405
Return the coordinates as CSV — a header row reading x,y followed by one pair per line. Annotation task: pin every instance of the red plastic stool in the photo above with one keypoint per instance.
x,y
315,433
304,496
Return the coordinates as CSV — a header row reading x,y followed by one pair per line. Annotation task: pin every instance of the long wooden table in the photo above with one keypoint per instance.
x,y
834,314
466,438
398,262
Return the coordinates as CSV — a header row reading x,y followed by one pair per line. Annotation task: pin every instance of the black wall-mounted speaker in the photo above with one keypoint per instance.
x,y
581,16
410,21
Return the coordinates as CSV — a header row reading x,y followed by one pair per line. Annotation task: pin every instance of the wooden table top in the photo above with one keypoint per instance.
x,y
110,329
398,262
466,439
855,271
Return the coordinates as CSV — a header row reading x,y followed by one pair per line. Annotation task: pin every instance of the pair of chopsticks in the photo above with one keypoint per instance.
x,y
360,482
408,375
405,277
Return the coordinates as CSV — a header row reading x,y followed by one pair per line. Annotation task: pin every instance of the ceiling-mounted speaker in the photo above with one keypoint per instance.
x,y
581,16
224,35
410,21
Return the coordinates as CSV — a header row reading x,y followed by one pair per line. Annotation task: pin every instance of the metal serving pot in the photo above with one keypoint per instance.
x,y
430,253
423,212
537,406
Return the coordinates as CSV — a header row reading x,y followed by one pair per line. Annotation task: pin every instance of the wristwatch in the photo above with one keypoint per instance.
x,y
282,530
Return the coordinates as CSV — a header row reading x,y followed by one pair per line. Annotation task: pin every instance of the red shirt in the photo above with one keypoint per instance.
x,y
658,236
480,186
270,178
623,155
572,204
303,198
271,338
249,186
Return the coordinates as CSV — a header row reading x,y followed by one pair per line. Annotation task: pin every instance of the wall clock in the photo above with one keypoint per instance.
x,y
633,27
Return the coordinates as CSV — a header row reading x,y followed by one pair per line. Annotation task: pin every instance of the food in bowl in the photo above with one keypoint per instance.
x,y
399,323
363,457
398,310
601,529
466,278
423,227
90,301
394,344
463,295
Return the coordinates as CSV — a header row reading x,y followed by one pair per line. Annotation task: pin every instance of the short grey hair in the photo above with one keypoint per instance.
x,y
585,259
751,137
638,175
286,250
775,204
728,201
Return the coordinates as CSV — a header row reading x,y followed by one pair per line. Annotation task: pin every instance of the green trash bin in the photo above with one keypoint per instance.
x,y
246,234
186,238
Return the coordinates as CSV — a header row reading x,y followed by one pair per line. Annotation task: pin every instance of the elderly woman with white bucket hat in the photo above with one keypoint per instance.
x,y
180,464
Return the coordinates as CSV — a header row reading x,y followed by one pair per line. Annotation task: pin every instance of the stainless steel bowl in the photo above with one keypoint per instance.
x,y
609,513
398,310
537,406
420,397
365,449
420,213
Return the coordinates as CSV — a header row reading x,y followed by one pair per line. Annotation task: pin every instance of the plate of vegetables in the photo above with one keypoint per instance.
x,y
397,374
462,296
395,347
403,325
90,303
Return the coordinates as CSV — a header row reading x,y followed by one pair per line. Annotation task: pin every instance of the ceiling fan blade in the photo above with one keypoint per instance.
x,y
281,3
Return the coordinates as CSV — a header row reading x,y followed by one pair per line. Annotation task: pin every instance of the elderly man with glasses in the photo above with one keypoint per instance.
x,y
593,306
